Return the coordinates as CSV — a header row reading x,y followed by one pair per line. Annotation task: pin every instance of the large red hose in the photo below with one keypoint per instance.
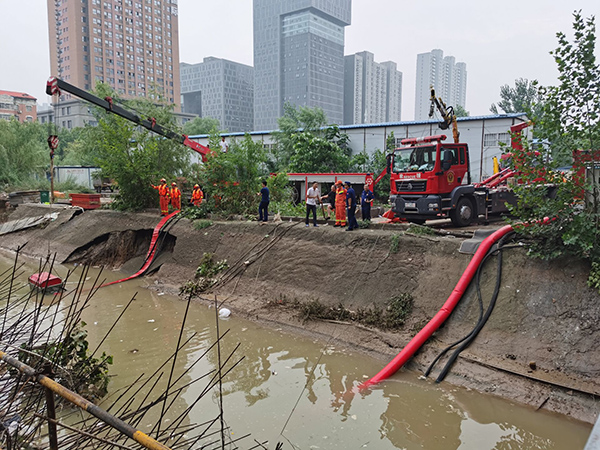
x,y
151,251
416,342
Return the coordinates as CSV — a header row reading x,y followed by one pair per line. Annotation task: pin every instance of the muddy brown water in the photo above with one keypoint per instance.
x,y
300,391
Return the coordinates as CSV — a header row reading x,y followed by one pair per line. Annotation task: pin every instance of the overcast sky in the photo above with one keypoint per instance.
x,y
499,41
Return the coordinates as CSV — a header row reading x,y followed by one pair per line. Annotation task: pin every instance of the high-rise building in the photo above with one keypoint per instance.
x,y
372,91
448,78
220,89
298,57
132,45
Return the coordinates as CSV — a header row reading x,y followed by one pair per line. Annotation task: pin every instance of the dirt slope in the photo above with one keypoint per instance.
x,y
541,345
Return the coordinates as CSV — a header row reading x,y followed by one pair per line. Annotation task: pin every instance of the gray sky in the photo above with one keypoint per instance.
x,y
499,41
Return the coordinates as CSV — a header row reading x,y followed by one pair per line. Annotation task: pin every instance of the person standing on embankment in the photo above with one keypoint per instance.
x,y
263,207
340,205
197,196
175,197
163,193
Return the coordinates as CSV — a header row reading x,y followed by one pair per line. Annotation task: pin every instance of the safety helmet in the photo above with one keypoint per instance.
x,y
196,186
173,184
162,180
338,182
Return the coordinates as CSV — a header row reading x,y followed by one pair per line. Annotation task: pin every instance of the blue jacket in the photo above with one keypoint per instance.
x,y
265,195
350,194
366,197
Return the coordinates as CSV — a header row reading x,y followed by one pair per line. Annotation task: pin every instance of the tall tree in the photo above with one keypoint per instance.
x,y
295,120
135,157
522,98
232,179
317,154
23,152
571,120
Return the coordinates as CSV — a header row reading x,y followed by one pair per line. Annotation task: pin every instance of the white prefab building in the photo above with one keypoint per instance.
x,y
483,135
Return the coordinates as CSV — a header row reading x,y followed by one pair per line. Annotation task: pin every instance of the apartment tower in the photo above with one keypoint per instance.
x,y
131,45
448,77
372,91
299,57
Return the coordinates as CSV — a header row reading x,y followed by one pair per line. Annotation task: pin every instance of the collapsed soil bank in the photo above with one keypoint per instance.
x,y
540,346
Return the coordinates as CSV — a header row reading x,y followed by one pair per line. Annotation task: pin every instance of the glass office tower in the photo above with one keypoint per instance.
x,y
298,57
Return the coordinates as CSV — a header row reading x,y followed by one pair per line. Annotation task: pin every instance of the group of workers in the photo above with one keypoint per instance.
x,y
345,204
172,196
342,200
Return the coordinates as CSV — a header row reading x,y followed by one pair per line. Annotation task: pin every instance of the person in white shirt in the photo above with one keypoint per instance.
x,y
224,146
313,196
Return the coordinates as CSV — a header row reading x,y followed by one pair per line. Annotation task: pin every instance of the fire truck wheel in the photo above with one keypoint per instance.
x,y
464,213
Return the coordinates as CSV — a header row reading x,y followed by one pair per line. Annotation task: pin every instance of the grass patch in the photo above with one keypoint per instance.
x,y
394,243
393,316
420,230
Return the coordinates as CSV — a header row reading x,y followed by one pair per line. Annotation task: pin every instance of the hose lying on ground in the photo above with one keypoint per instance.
x,y
483,318
441,316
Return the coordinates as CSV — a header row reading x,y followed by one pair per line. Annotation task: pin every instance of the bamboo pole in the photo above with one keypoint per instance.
x,y
76,399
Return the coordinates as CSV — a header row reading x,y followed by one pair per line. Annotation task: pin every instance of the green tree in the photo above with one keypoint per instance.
x,y
317,154
200,125
66,139
24,153
459,111
522,98
134,156
306,144
232,179
571,113
295,120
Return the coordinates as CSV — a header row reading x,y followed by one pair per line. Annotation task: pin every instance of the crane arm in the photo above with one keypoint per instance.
x,y
447,113
55,86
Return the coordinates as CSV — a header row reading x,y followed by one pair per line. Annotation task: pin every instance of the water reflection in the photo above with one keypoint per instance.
x,y
304,388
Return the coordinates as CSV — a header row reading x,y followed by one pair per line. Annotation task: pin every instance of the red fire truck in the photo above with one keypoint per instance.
x,y
431,179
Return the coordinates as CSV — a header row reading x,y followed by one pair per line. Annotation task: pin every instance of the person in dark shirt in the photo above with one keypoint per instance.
x,y
263,207
351,205
330,199
366,198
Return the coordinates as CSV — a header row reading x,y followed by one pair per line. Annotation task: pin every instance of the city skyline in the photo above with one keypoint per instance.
x,y
506,45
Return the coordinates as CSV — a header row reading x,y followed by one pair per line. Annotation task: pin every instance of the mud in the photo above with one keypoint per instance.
x,y
540,346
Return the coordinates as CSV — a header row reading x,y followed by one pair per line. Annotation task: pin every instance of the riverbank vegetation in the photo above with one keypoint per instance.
x,y
567,116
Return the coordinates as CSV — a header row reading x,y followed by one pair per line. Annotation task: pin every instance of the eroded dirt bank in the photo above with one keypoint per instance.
x,y
540,346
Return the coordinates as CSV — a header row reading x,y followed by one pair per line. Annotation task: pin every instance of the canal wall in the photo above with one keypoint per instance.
x,y
540,347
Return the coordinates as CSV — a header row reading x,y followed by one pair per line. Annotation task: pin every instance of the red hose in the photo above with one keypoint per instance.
x,y
416,342
151,251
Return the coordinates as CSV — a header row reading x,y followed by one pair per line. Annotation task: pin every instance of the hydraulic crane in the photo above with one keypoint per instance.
x,y
55,86
447,112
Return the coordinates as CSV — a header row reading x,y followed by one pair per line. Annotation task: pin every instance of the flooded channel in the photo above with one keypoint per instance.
x,y
298,391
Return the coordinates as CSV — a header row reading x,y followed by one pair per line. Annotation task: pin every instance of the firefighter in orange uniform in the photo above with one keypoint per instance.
x,y
175,197
163,192
340,205
197,195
